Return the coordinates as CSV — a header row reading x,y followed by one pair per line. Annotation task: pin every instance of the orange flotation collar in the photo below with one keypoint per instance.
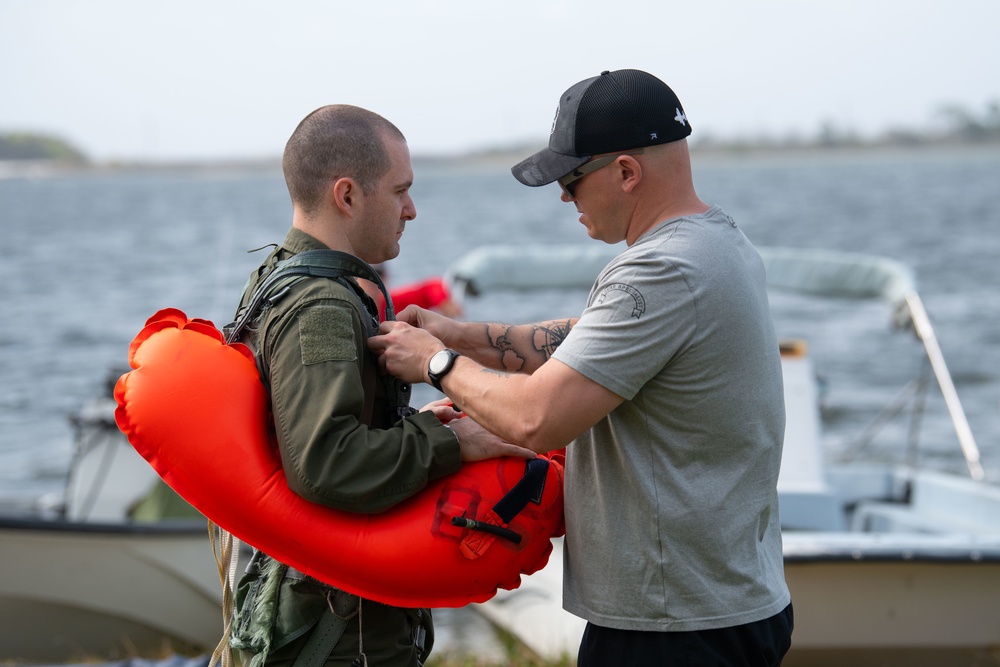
x,y
196,410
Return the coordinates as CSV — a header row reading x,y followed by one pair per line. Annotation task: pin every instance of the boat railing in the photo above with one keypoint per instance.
x,y
862,276
825,273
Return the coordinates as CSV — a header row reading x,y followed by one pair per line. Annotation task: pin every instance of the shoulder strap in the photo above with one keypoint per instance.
x,y
320,263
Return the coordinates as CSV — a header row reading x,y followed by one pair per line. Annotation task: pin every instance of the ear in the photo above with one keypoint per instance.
x,y
344,194
630,172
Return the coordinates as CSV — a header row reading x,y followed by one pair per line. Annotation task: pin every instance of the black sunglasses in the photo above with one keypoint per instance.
x,y
568,181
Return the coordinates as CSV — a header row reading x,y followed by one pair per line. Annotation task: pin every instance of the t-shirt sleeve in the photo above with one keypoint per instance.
x,y
639,315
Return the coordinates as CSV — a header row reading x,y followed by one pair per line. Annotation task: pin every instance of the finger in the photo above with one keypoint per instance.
x,y
519,452
385,327
410,315
442,412
445,413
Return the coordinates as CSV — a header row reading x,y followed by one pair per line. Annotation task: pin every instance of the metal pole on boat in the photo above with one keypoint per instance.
x,y
922,325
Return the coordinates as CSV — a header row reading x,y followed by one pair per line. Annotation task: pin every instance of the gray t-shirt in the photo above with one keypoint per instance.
x,y
671,500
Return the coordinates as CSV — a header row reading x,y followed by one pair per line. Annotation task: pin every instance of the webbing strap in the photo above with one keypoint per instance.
x,y
528,489
320,263
321,642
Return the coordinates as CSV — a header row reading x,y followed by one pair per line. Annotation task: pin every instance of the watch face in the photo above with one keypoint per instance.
x,y
438,362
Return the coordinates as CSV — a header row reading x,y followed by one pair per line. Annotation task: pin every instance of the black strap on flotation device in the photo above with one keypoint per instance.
x,y
528,489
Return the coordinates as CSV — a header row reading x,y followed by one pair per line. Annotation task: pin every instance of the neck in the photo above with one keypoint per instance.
x,y
666,191
324,230
648,216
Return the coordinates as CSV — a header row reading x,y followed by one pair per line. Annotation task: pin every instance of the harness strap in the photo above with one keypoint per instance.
x,y
320,263
322,641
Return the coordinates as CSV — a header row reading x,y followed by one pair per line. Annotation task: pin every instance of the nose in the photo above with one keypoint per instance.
x,y
409,209
565,195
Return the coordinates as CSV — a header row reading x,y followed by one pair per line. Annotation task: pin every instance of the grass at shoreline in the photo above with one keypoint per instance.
x,y
515,655
471,661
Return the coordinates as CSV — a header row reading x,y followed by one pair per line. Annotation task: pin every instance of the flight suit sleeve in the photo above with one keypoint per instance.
x,y
314,360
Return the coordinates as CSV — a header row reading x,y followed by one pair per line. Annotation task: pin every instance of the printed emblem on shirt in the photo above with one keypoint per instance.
x,y
640,303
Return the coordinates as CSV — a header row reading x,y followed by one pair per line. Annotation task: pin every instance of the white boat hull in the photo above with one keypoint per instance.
x,y
898,612
901,613
79,590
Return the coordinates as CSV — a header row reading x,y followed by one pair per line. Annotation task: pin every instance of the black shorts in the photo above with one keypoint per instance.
x,y
759,644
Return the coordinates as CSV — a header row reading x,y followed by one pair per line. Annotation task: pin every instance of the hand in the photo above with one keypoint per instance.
x,y
443,409
403,351
477,444
449,308
436,324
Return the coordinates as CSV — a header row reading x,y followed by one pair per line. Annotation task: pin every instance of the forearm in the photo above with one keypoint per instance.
x,y
542,407
542,411
351,467
500,401
520,348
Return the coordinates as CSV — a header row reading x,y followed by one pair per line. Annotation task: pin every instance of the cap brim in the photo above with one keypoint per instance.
x,y
546,166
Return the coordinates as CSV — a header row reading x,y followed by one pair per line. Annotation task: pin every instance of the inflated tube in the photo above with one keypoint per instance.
x,y
196,410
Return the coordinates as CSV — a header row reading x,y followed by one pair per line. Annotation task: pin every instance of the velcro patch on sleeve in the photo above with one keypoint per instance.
x,y
326,334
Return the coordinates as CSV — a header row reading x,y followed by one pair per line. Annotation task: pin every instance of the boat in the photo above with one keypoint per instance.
x,y
888,563
116,568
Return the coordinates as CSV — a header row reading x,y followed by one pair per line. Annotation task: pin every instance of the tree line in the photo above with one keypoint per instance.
x,y
959,126
28,146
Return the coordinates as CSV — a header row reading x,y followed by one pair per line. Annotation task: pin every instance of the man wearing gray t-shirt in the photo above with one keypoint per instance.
x,y
666,391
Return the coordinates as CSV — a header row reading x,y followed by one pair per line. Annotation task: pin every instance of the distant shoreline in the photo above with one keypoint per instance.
x,y
701,154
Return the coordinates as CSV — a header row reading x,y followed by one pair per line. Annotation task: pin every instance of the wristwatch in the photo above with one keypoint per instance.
x,y
440,365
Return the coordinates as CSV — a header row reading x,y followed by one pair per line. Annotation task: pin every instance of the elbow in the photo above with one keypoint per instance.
x,y
303,487
339,493
354,501
536,431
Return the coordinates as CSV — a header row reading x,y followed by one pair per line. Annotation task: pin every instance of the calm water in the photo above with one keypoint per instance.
x,y
90,257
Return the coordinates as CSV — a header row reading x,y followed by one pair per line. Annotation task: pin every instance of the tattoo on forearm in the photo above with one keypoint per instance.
x,y
549,335
515,344
498,335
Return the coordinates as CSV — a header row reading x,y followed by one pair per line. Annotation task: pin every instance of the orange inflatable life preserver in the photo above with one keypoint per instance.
x,y
426,294
196,410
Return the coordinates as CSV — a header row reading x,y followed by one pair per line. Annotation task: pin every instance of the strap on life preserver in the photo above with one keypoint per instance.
x,y
528,490
483,532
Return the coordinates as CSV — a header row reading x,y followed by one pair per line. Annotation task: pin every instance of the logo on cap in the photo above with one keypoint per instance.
x,y
680,117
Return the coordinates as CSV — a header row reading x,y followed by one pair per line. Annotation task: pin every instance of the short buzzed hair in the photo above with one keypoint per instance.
x,y
333,142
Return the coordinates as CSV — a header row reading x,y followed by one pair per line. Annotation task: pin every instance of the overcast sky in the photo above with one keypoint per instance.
x,y
127,79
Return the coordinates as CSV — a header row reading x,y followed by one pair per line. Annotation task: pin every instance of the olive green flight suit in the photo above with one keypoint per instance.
x,y
345,442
